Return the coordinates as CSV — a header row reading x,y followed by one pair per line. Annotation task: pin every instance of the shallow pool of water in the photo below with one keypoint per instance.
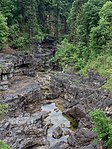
x,y
57,119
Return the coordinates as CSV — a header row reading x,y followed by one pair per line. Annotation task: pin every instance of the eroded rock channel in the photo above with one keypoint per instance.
x,y
58,126
37,95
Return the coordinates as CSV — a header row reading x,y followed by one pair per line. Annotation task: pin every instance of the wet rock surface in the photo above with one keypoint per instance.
x,y
57,126
77,112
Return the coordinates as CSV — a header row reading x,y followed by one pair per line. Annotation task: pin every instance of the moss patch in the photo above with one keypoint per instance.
x,y
3,110
60,107
73,122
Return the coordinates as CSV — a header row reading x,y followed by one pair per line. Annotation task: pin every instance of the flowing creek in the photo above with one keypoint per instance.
x,y
56,118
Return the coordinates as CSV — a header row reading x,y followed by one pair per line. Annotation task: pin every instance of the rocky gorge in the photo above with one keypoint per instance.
x,y
29,80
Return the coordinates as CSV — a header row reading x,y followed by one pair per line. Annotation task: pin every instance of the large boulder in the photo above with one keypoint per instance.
x,y
77,112
84,136
85,123
81,137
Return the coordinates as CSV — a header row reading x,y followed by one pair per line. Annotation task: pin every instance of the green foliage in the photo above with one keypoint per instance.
x,y
101,36
84,15
2,108
3,31
83,53
106,13
80,64
103,65
3,145
66,53
39,35
102,125
8,9
89,37
73,17
30,20
16,38
101,46
19,42
75,56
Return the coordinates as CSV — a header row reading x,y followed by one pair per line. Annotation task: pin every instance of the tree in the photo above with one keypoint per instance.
x,y
84,17
3,31
74,12
34,18
9,9
101,36
106,13
61,10
88,18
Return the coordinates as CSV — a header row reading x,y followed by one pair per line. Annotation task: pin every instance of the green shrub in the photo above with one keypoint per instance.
x,y
17,39
66,53
102,126
39,37
3,108
103,65
3,145
19,42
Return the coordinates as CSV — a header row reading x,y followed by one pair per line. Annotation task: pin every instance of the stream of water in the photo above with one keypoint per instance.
x,y
57,119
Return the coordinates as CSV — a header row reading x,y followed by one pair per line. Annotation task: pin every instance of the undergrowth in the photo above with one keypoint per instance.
x,y
103,65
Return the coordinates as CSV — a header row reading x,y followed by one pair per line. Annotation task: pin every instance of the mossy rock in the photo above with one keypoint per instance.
x,y
73,122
